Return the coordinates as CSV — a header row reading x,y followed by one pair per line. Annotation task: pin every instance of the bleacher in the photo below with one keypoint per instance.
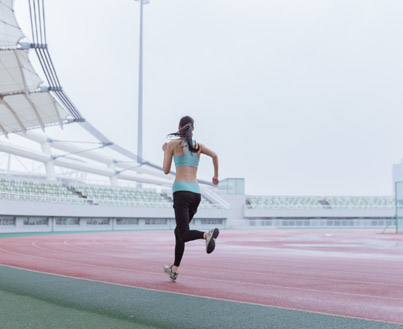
x,y
154,207
320,202
357,202
129,197
84,194
283,202
26,190
55,192
122,196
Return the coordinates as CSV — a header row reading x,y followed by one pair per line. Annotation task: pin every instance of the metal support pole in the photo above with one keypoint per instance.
x,y
140,105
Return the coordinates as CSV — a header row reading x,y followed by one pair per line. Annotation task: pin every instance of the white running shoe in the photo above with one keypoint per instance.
x,y
172,275
210,240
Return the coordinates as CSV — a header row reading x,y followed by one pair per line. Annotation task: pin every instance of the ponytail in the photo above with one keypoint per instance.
x,y
186,132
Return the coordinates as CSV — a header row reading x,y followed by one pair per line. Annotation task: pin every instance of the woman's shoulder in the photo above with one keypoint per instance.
x,y
175,141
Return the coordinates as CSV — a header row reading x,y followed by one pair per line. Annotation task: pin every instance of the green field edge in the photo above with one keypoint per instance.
x,y
21,311
159,309
21,234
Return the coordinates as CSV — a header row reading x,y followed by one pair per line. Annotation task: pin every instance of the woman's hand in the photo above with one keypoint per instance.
x,y
215,180
164,147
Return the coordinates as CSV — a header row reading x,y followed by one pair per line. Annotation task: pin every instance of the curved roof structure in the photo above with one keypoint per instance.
x,y
10,32
23,104
17,73
27,103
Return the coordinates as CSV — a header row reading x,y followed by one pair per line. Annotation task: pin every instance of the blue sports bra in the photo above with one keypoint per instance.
x,y
187,159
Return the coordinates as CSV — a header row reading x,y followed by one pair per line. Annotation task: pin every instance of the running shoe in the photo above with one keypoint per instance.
x,y
172,275
210,240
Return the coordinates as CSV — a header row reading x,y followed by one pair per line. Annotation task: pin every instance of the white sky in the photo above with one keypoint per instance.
x,y
297,97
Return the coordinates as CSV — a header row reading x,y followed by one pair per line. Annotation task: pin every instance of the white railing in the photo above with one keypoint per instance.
x,y
214,198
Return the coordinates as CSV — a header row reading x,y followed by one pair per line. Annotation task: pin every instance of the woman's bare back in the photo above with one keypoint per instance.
x,y
184,173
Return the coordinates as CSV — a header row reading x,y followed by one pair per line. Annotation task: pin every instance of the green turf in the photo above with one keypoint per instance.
x,y
23,312
62,302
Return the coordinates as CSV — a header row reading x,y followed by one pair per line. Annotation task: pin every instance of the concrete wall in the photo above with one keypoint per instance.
x,y
237,216
25,208
20,210
236,208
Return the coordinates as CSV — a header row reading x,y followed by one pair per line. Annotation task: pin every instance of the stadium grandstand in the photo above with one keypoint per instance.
x,y
86,226
317,202
58,172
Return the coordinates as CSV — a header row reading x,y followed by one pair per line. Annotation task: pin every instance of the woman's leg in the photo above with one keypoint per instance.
x,y
185,205
179,250
208,236
194,205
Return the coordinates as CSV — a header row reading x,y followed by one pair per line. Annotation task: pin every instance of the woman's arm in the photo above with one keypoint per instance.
x,y
168,153
213,155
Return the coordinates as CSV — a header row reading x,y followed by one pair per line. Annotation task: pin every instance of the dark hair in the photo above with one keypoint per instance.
x,y
186,132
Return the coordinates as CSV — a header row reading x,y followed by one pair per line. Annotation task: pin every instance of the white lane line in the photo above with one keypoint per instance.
x,y
66,242
36,245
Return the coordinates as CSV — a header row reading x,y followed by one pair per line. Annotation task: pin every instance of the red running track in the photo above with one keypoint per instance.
x,y
341,272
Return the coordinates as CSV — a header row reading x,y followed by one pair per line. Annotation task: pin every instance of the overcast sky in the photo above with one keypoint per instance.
x,y
297,97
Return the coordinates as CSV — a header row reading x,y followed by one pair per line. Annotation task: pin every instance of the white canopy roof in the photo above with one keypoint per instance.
x,y
20,112
16,72
10,32
22,105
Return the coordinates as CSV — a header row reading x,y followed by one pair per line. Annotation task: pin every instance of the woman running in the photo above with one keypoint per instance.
x,y
186,190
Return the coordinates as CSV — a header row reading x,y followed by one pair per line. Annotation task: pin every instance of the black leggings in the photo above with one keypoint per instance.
x,y
185,205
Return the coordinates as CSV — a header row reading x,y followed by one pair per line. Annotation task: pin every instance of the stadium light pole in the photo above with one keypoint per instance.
x,y
140,96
